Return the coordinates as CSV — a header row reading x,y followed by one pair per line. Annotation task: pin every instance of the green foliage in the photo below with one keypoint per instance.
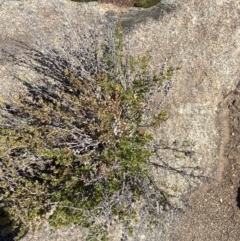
x,y
87,1
69,151
139,3
146,3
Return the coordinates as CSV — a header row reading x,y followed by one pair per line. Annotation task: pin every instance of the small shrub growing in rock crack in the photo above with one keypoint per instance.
x,y
74,148
146,3
84,1
139,3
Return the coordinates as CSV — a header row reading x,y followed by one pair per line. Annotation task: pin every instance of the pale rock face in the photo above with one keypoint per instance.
x,y
203,37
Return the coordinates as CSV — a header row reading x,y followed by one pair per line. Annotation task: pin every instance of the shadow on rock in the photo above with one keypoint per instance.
x,y
131,18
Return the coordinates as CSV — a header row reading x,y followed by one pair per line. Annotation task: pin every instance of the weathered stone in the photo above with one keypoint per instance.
x,y
203,37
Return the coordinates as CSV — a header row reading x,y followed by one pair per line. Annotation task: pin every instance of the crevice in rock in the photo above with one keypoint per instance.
x,y
238,198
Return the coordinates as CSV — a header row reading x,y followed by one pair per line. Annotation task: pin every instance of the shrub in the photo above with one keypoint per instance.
x,y
139,3
146,3
84,1
74,149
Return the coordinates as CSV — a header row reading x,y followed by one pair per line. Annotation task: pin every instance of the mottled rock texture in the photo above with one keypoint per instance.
x,y
202,37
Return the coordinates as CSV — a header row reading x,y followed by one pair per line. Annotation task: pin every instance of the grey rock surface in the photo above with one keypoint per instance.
x,y
203,37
